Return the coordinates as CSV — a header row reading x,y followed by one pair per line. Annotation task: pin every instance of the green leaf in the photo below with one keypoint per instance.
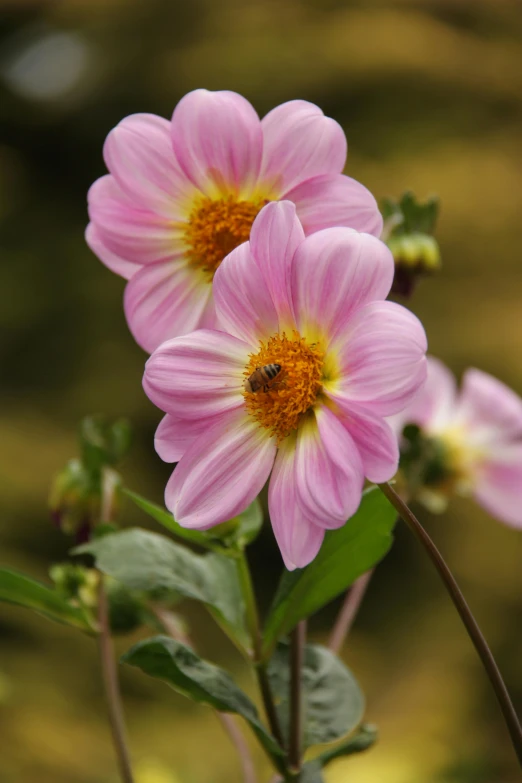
x,y
151,563
333,703
365,737
345,554
166,519
175,663
16,588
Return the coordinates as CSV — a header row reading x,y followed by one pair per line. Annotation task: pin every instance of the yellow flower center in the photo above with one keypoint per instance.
x,y
216,227
279,404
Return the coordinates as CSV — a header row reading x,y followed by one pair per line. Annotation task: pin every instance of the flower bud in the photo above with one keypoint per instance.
x,y
74,500
408,229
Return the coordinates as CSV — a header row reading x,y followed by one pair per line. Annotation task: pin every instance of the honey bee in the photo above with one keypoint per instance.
x,y
262,377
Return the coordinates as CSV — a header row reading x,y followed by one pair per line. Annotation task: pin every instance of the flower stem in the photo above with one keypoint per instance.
x,y
348,612
112,692
475,634
297,646
252,620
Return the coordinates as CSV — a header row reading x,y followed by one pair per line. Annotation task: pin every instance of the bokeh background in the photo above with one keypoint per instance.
x,y
430,96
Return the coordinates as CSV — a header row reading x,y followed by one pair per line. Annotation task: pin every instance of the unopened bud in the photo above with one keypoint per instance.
x,y
74,499
408,228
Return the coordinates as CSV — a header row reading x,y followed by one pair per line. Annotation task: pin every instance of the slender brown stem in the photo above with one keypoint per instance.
x,y
174,629
112,692
475,634
297,646
348,612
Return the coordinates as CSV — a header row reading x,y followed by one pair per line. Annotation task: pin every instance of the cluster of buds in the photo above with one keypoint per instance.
x,y
408,232
85,493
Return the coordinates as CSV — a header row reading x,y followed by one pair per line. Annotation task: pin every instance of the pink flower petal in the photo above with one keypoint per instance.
x,y
133,233
382,359
138,152
114,262
375,439
221,472
335,200
197,375
164,300
335,272
498,485
174,436
244,306
218,141
328,472
299,143
298,538
488,405
275,236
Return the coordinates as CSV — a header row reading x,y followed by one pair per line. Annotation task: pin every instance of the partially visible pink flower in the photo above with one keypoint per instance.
x,y
479,431
182,194
315,307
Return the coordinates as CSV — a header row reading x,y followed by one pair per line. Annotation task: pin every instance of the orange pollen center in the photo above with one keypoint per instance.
x,y
279,405
215,228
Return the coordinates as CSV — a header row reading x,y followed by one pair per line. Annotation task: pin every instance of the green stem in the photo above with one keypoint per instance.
x,y
297,645
112,691
252,620
475,634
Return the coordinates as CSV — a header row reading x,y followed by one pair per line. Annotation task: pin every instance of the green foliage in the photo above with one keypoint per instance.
x,y
16,588
311,773
234,534
333,703
410,216
178,665
364,738
154,564
103,443
345,554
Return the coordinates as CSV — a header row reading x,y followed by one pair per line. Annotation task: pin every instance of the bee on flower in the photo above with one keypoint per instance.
x,y
467,442
183,194
315,307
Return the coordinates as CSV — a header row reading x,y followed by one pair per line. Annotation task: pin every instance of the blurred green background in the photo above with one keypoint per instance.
x,y
430,96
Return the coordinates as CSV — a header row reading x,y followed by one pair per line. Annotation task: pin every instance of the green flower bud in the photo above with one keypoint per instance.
x,y
408,228
75,500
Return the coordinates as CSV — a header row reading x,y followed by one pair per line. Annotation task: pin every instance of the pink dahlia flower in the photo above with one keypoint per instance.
x,y
335,359
182,194
479,434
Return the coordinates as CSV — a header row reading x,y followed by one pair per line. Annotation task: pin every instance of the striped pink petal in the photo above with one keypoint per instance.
x,y
275,236
221,473
298,538
138,152
164,300
121,266
375,439
218,141
299,143
331,200
382,359
335,272
488,404
243,303
174,436
198,375
498,484
328,470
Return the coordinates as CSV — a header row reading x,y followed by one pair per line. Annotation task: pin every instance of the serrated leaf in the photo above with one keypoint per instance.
x,y
333,703
178,665
345,554
16,588
150,562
